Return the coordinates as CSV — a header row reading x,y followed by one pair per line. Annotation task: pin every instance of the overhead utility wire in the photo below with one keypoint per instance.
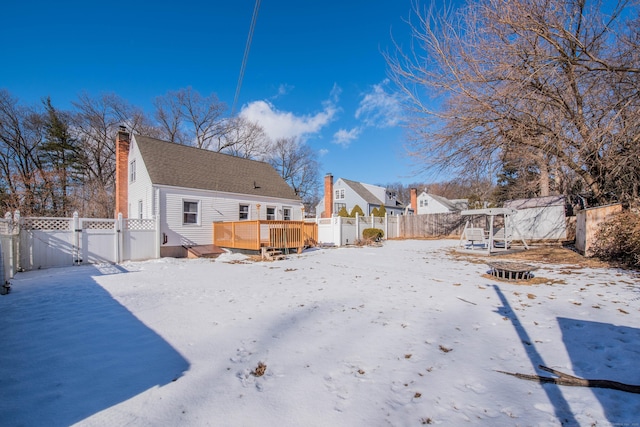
x,y
246,56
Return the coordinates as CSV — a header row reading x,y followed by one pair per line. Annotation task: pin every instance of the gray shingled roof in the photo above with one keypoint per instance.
x,y
183,166
363,192
445,202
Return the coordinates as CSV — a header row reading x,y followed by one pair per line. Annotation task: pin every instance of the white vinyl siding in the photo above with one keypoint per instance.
x,y
141,189
214,207
429,205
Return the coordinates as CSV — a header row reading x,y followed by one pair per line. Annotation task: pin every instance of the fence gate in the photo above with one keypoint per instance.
x,y
97,241
47,242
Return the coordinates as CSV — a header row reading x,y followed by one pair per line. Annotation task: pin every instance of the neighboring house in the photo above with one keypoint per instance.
x,y
346,193
540,218
431,204
188,189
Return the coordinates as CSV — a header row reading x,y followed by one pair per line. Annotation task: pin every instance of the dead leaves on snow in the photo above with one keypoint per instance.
x,y
260,370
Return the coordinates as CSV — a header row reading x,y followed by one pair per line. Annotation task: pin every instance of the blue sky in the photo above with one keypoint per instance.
x,y
315,69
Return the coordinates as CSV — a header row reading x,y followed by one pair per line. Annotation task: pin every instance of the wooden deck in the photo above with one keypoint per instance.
x,y
254,235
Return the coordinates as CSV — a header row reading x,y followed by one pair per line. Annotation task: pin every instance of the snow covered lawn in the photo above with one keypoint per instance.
x,y
400,335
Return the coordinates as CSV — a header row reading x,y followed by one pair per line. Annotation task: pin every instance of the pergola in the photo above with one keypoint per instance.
x,y
487,238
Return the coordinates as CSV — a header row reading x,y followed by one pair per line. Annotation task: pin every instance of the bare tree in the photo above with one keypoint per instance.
x,y
187,117
21,134
295,162
243,138
549,82
96,122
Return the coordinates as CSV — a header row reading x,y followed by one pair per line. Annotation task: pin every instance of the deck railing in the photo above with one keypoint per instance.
x,y
253,235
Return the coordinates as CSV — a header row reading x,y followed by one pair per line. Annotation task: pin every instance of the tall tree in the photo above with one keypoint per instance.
x,y
21,133
188,118
95,124
296,163
552,82
59,160
242,138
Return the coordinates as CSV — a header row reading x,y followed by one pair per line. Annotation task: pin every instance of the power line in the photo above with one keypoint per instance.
x,y
254,18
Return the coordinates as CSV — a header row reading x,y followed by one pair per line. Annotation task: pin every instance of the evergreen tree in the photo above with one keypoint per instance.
x,y
59,157
356,210
343,212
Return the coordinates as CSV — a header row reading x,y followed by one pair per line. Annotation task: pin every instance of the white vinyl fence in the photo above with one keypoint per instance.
x,y
34,243
341,231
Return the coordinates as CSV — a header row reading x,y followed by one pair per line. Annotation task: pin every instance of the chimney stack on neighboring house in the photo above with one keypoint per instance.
x,y
122,168
328,196
414,200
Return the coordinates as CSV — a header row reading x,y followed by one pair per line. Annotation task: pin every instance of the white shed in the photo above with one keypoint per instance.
x,y
540,218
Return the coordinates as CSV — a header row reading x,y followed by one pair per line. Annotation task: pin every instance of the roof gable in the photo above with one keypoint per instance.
x,y
189,167
446,203
362,191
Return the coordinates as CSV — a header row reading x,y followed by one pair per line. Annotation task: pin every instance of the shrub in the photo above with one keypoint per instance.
x,y
343,212
356,210
374,234
618,239
374,212
381,212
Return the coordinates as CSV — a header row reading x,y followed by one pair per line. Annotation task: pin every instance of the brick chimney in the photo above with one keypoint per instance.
x,y
328,196
414,200
122,168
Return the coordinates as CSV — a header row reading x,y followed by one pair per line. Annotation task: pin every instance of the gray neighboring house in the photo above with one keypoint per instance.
x,y
346,193
188,189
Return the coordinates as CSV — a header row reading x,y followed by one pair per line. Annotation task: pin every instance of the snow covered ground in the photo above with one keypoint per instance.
x,y
401,335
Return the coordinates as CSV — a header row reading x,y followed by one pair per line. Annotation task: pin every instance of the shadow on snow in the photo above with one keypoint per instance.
x,y
594,349
69,350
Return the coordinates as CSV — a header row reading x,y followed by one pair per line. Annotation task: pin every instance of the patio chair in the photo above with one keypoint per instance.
x,y
501,241
476,238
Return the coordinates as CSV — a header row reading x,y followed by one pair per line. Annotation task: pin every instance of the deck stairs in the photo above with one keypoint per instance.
x,y
272,254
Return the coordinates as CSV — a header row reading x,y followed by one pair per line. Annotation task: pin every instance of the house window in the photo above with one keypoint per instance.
x,y
190,212
286,214
132,171
340,194
339,206
140,209
271,213
244,212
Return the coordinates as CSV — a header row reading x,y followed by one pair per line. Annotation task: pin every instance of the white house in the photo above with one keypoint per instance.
x,y
346,193
427,203
188,189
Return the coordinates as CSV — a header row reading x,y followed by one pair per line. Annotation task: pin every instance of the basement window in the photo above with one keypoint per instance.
x,y
190,210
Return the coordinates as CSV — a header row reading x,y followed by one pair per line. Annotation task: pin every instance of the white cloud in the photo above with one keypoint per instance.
x,y
284,124
379,108
283,89
323,152
344,137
